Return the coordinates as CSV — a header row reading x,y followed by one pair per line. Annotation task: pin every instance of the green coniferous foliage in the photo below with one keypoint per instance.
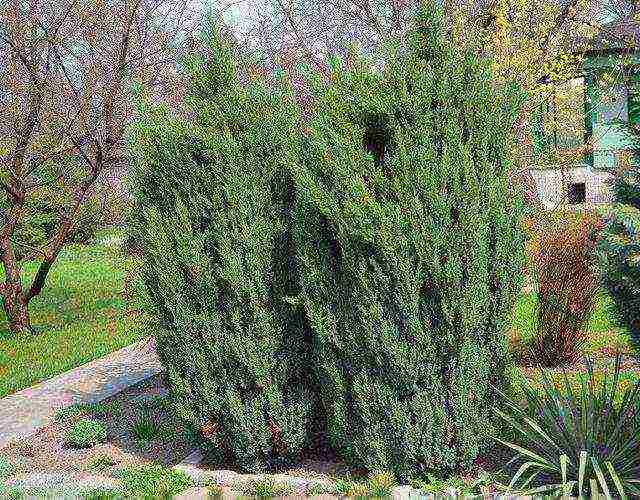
x,y
411,253
619,251
213,202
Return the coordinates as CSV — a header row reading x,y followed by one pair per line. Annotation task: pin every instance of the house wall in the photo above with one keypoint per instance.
x,y
553,191
608,111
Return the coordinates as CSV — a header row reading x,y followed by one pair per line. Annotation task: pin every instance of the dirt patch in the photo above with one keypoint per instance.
x,y
603,361
161,437
317,462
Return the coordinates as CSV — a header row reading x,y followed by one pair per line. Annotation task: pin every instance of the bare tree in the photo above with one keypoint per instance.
x,y
64,104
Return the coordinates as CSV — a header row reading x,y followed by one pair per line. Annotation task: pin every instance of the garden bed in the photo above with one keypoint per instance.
x,y
139,429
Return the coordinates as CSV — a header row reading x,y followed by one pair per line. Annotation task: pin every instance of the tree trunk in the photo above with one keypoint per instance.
x,y
17,310
523,176
15,301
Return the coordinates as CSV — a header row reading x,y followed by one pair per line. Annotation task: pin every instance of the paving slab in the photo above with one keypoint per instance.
x,y
26,411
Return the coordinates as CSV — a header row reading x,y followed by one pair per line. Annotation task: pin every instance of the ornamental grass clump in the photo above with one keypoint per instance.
x,y
85,433
576,440
411,252
562,256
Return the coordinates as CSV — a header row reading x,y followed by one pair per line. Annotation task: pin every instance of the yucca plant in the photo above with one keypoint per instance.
x,y
572,440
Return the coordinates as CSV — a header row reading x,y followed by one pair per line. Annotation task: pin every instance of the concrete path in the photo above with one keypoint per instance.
x,y
24,412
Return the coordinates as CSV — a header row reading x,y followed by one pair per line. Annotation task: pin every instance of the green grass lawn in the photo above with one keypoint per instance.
x,y
80,315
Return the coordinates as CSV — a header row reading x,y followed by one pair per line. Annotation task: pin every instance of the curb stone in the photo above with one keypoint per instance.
x,y
230,481
200,476
407,492
58,485
230,492
195,493
200,493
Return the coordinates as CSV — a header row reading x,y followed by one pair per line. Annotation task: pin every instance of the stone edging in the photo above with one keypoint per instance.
x,y
229,482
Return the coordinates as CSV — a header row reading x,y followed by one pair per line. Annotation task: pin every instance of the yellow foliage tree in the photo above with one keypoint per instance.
x,y
540,44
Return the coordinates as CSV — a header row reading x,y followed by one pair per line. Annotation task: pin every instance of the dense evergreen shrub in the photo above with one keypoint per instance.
x,y
619,251
213,198
411,252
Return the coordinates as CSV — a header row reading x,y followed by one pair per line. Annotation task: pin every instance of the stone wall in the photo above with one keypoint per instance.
x,y
553,186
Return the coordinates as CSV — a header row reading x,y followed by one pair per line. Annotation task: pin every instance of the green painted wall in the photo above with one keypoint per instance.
x,y
608,120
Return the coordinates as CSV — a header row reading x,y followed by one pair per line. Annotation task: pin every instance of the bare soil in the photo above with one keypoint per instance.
x,y
317,462
46,450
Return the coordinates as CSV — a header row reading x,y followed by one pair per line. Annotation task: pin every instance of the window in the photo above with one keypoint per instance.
x,y
612,105
577,193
